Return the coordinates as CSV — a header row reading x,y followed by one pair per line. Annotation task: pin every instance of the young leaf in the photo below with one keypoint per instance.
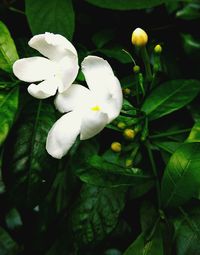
x,y
96,213
169,97
8,109
181,180
127,4
8,53
56,16
31,169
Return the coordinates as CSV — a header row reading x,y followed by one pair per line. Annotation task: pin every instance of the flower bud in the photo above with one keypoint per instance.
x,y
129,134
158,49
136,69
121,125
116,147
128,162
139,37
126,91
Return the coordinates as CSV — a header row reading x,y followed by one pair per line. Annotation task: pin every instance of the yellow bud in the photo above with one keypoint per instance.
x,y
127,91
116,147
128,162
139,37
136,69
158,49
121,125
129,134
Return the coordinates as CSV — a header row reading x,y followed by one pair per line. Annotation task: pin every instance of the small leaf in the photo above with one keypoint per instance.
x,y
8,53
13,219
58,15
169,97
96,213
189,12
181,180
8,109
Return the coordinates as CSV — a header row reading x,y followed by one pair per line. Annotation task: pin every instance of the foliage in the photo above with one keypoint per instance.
x,y
141,199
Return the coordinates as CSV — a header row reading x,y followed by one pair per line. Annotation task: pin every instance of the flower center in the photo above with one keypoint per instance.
x,y
96,108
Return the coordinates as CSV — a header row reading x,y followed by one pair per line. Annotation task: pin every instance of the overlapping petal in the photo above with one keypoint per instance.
x,y
34,69
52,46
63,135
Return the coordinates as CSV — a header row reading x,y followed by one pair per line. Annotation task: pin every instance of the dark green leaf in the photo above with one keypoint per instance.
x,y
7,245
190,44
126,4
31,169
13,219
170,97
189,12
102,37
56,16
8,109
96,213
8,53
181,179
117,53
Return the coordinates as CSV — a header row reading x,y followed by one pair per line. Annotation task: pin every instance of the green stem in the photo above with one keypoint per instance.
x,y
16,10
171,133
153,165
146,61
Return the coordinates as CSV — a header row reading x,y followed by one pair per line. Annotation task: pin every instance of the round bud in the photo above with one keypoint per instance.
x,y
158,49
126,91
116,147
136,69
121,125
129,134
139,37
128,162
138,128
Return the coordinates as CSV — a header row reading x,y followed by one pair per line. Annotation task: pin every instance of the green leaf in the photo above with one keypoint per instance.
x,y
190,44
99,172
13,219
96,213
187,232
7,245
56,16
126,4
189,12
8,109
117,53
31,169
102,37
169,97
194,135
8,53
181,180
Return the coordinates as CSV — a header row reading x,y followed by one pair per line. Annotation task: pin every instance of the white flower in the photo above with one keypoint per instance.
x,y
88,110
57,71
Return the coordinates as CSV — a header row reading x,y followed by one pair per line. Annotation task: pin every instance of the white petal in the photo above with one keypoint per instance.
x,y
68,67
44,89
102,81
76,97
63,134
34,69
53,46
92,123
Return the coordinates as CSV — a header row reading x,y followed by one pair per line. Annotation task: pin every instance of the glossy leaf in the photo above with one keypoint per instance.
x,y
96,213
31,170
58,15
8,53
181,180
194,135
8,109
169,97
127,4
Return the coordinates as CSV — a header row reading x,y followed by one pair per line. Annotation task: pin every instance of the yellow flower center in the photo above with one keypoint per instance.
x,y
96,108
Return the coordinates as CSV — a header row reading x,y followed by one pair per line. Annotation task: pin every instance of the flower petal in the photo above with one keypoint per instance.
x,y
102,81
34,69
68,67
44,89
63,135
52,46
76,97
92,123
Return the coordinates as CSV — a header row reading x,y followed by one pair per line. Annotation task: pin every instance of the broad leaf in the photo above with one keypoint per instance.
x,y
127,4
7,245
169,97
8,109
187,233
96,213
31,170
181,180
55,16
117,53
8,53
